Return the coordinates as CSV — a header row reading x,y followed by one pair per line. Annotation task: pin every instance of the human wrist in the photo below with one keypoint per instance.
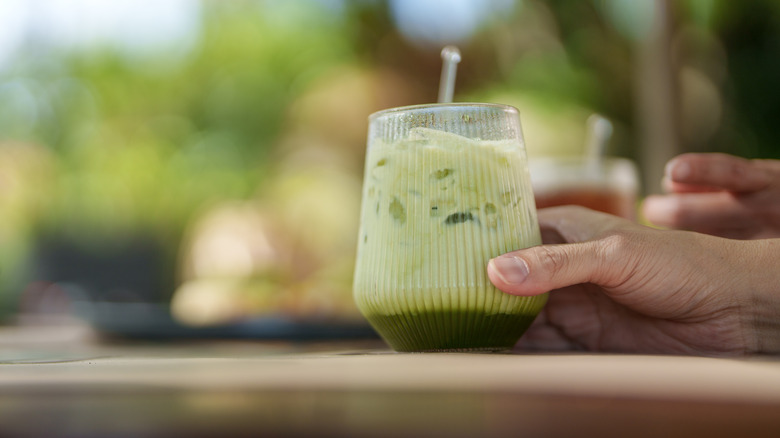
x,y
764,301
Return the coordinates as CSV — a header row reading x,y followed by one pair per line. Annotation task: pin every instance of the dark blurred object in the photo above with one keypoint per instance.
x,y
154,322
750,32
132,269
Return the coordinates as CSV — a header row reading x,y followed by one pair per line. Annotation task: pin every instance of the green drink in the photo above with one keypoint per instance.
x,y
446,188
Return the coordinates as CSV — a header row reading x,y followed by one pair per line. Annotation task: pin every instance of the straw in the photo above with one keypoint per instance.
x,y
599,133
450,56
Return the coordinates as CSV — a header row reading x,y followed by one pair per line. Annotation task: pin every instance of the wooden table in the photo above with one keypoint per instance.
x,y
67,383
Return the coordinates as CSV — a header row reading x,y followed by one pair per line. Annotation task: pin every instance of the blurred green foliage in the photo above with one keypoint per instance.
x,y
141,144
121,146
750,32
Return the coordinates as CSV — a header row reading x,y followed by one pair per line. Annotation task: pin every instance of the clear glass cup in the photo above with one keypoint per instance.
x,y
610,184
446,188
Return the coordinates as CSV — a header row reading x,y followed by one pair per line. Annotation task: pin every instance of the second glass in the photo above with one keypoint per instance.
x,y
610,185
446,188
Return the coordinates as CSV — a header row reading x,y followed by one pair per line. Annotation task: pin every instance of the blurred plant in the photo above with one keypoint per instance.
x,y
139,145
162,143
26,177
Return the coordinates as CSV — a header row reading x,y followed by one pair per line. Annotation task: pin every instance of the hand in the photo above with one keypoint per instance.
x,y
623,287
719,194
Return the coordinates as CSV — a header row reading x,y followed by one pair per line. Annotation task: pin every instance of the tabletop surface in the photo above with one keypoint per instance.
x,y
67,382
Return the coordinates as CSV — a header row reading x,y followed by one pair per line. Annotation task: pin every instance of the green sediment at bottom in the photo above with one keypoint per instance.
x,y
455,330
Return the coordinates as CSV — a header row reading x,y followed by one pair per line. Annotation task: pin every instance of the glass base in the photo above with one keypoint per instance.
x,y
462,350
451,331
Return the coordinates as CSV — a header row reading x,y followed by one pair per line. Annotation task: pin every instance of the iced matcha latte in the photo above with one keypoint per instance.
x,y
446,188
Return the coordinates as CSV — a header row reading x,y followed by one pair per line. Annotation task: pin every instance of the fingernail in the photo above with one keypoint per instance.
x,y
679,171
512,270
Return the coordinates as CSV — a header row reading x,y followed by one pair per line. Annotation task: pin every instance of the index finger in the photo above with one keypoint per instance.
x,y
573,223
719,171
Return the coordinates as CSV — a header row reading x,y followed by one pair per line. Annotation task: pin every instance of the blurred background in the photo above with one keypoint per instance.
x,y
209,154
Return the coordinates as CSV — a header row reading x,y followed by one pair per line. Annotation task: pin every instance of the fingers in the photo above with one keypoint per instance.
x,y
670,186
544,336
695,211
539,269
719,171
575,224
570,320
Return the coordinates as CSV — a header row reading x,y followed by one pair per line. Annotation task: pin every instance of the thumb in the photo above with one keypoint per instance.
x,y
540,269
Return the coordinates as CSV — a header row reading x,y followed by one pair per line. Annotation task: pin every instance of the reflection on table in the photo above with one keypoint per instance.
x,y
67,381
